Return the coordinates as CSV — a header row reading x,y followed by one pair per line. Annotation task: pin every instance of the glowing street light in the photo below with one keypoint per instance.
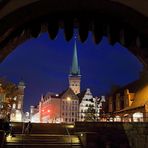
x,y
68,99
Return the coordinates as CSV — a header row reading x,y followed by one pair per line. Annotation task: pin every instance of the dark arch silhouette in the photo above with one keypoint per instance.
x,y
103,17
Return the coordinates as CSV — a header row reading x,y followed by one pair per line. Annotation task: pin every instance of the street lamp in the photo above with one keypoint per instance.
x,y
68,99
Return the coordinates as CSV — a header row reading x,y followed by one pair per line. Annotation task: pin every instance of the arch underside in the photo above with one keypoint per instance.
x,y
104,18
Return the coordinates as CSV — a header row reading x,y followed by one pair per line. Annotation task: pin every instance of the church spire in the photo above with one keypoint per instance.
x,y
75,69
75,77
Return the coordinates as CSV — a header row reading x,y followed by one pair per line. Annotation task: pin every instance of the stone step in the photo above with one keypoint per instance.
x,y
45,146
43,128
43,140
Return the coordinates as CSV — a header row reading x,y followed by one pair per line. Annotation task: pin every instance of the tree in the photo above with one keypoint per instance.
x,y
8,92
90,114
9,87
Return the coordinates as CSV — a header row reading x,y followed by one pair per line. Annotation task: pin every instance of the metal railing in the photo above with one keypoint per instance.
x,y
68,133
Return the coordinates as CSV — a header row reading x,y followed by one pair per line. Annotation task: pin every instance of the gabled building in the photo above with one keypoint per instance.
x,y
86,100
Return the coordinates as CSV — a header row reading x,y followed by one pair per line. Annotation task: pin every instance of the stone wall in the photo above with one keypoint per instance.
x,y
113,134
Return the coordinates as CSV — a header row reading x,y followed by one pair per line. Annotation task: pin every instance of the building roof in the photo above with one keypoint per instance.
x,y
81,95
140,88
68,93
133,86
75,68
50,95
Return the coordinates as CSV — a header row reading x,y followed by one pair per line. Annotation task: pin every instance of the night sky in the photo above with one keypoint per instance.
x,y
44,65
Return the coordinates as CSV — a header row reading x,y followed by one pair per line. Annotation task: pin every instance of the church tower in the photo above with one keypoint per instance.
x,y
74,76
20,98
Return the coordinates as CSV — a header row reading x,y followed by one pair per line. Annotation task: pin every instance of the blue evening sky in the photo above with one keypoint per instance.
x,y
44,65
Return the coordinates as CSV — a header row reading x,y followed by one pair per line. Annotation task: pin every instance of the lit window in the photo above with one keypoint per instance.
x,y
19,106
15,98
14,106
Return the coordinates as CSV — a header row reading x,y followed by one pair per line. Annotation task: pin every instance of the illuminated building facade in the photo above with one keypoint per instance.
x,y
17,107
130,103
15,103
86,101
56,108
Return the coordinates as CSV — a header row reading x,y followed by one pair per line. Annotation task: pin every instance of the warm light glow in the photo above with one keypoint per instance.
x,y
42,110
9,138
70,126
117,119
48,111
138,117
68,99
75,140
18,116
81,135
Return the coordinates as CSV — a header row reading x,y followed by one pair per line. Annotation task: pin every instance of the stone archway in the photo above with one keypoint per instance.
x,y
120,21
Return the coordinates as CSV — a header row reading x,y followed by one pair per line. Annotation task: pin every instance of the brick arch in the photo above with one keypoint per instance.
x,y
117,21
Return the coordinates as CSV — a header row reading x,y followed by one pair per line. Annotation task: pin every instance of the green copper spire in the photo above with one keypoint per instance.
x,y
75,69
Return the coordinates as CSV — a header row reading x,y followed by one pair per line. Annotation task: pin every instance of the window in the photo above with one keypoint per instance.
x,y
19,105
14,106
63,107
